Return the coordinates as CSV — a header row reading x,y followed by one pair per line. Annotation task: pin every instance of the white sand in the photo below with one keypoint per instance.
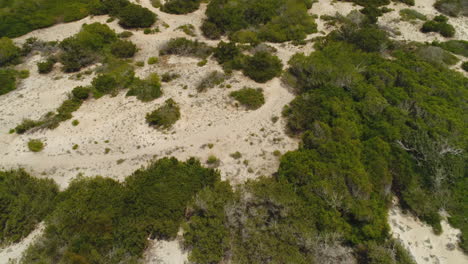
x,y
422,243
13,252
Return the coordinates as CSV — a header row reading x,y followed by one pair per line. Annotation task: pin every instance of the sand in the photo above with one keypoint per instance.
x,y
211,122
422,243
13,252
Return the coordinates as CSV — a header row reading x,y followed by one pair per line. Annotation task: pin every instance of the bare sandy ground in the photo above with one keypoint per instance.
x,y
211,123
13,252
422,243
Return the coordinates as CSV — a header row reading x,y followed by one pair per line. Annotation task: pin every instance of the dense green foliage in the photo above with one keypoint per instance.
x,y
411,14
7,80
165,116
452,7
249,97
262,67
372,125
46,66
123,49
8,51
86,47
439,24
180,6
135,16
35,145
459,47
100,220
186,47
25,201
146,90
465,66
272,20
20,17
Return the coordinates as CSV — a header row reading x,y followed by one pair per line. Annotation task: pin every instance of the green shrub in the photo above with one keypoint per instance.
x,y
276,21
169,76
85,47
439,24
165,116
35,145
464,66
188,29
104,221
156,3
75,122
123,49
135,16
153,60
186,47
411,14
459,47
105,83
26,125
146,90
125,34
9,53
180,6
7,80
436,55
213,161
452,7
262,67
17,18
26,201
225,52
210,30
211,80
251,98
370,39
46,66
81,92
245,36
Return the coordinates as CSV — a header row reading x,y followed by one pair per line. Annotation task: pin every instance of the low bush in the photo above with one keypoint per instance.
x,y
26,125
211,80
136,16
125,34
35,145
439,24
188,29
262,67
123,49
153,60
411,14
249,97
180,6
26,201
436,55
186,47
459,47
452,7
9,53
146,90
464,66
169,76
105,83
225,52
81,92
165,116
7,80
46,66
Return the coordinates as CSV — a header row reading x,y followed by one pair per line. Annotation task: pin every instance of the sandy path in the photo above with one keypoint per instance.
x,y
422,243
14,251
